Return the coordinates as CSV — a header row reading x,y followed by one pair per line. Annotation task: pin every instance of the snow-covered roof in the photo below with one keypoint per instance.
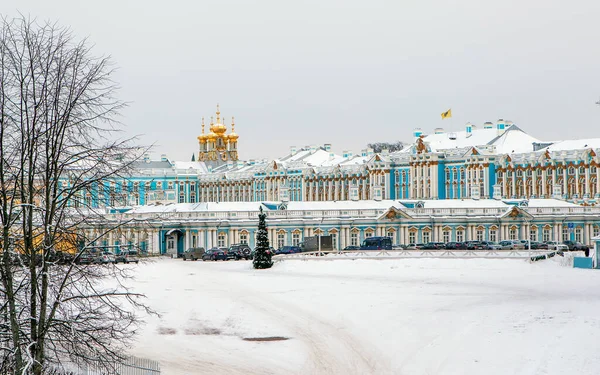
x,y
575,144
512,140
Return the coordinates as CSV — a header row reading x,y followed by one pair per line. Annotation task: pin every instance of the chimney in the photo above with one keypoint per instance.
x,y
229,164
363,152
313,148
293,150
488,125
163,157
327,147
331,155
210,168
147,158
240,164
417,132
500,126
370,152
469,129
438,131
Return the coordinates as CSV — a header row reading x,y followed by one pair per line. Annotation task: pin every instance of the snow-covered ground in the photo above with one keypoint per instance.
x,y
408,316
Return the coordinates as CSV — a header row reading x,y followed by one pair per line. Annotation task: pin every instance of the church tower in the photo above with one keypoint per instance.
x,y
218,147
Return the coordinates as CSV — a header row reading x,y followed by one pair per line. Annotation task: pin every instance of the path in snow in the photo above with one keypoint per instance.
x,y
434,316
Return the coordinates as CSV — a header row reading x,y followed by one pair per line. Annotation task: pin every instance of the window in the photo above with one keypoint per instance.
x,y
221,240
193,187
170,185
194,241
593,170
334,240
533,234
159,185
513,234
493,235
181,198
519,173
280,240
193,198
447,175
368,234
170,243
571,171
460,235
446,236
581,170
479,235
565,233
244,238
578,234
426,237
412,237
596,230
295,239
546,234
353,239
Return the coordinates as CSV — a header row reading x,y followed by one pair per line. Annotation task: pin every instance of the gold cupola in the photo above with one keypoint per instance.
x,y
233,136
202,137
211,136
218,128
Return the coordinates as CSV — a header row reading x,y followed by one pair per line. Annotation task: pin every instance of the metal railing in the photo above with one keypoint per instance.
x,y
131,366
423,253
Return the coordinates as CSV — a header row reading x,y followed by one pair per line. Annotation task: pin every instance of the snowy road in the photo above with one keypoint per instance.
x,y
412,316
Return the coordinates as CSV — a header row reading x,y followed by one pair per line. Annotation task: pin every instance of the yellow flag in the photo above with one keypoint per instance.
x,y
447,114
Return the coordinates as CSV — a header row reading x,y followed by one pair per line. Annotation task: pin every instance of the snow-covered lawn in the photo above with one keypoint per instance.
x,y
408,316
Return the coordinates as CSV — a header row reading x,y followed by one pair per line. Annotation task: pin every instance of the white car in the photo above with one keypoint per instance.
x,y
553,245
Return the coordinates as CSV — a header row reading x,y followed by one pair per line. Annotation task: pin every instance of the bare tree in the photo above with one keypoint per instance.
x,y
59,146
391,147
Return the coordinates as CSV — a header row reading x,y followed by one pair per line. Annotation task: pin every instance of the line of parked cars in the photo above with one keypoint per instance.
x,y
502,245
104,257
234,252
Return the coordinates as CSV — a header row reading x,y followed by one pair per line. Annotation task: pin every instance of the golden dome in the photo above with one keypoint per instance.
x,y
203,137
218,128
233,136
211,136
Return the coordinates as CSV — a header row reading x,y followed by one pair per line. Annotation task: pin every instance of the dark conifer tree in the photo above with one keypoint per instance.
x,y
262,255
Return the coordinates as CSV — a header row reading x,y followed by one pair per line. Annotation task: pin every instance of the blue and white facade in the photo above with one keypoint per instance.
x,y
446,185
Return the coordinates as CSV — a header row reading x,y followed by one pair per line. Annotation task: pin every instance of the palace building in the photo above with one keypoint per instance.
x,y
446,185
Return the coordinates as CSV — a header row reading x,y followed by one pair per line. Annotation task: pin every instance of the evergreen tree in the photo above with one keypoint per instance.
x,y
262,255
193,157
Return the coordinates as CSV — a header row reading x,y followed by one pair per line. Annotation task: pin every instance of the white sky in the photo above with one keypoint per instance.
x,y
344,72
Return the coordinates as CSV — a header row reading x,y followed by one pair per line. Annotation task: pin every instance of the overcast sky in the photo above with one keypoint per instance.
x,y
343,72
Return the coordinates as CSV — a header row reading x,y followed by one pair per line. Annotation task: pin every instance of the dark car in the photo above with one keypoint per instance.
x,y
241,251
432,246
576,246
288,250
228,254
539,245
456,246
86,257
193,253
352,248
214,254
474,245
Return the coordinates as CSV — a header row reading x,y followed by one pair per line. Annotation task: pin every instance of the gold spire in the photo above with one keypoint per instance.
x,y
218,113
211,120
202,125
232,124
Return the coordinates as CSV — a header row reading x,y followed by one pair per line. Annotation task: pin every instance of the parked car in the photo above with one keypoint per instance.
x,y
456,246
86,257
241,251
127,256
228,255
554,245
490,245
193,253
288,250
511,245
214,254
352,248
539,245
576,246
434,246
474,245
105,257
399,247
